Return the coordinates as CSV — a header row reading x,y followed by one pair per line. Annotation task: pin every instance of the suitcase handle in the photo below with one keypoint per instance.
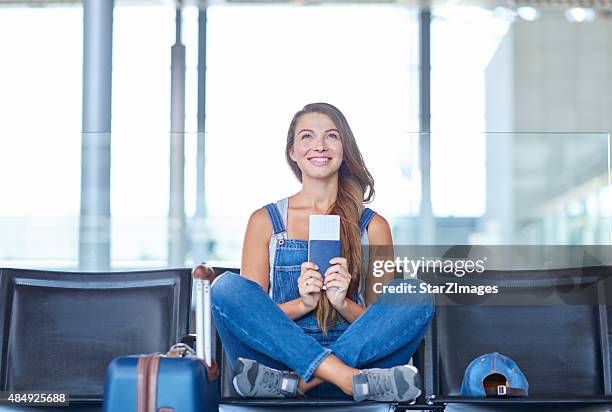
x,y
203,276
180,350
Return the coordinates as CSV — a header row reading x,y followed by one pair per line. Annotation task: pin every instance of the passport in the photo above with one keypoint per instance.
x,y
323,240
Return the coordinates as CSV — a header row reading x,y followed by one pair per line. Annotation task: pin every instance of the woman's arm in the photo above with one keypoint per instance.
x,y
255,263
349,310
381,249
256,260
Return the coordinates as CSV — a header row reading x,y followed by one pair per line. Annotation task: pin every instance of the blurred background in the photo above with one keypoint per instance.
x,y
143,133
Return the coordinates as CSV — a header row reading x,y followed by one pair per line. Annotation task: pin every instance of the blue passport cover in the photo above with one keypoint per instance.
x,y
320,252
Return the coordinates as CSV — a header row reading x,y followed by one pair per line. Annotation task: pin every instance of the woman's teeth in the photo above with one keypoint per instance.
x,y
319,161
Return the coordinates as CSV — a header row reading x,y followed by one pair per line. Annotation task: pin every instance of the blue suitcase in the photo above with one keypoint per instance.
x,y
175,382
178,381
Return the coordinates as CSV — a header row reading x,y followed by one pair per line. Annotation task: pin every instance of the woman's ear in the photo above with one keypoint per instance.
x,y
291,154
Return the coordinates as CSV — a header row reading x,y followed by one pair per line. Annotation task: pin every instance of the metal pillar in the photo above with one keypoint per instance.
x,y
427,223
94,219
177,242
199,234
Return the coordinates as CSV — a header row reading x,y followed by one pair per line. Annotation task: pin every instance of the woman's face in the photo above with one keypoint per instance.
x,y
317,148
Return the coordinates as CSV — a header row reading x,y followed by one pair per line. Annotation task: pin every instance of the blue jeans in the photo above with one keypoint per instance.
x,y
251,325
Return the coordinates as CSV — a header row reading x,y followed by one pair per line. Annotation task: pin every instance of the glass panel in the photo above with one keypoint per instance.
x,y
41,159
531,188
39,199
140,187
538,189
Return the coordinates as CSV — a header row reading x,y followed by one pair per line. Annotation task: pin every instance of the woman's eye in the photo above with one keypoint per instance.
x,y
332,136
306,136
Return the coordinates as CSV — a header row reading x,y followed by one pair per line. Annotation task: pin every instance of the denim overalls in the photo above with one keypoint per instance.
x,y
251,324
286,257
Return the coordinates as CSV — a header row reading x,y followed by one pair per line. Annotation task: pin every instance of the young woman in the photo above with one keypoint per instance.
x,y
284,332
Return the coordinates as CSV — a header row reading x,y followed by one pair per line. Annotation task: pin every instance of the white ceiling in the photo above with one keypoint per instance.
x,y
601,4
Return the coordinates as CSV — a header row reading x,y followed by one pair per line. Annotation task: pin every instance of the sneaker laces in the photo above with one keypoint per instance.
x,y
380,384
272,380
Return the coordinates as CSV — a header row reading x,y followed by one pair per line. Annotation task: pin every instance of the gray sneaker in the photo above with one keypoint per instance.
x,y
252,379
397,384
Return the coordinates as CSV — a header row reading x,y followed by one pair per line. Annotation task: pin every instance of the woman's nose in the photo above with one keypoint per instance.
x,y
320,144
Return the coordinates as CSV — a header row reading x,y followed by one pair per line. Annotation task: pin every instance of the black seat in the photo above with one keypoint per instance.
x,y
553,323
59,330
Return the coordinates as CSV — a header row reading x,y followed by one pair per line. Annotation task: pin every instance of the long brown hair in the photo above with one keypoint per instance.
x,y
355,187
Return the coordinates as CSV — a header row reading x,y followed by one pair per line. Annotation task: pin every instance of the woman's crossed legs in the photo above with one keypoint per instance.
x,y
252,326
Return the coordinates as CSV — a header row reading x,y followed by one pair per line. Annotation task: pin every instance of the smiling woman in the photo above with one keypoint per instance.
x,y
334,337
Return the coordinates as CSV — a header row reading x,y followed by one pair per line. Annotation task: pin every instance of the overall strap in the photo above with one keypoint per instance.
x,y
365,219
275,218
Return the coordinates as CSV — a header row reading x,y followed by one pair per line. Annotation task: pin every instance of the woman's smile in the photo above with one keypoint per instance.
x,y
319,160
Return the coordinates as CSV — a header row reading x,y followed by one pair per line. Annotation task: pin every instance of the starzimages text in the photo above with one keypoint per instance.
x,y
446,288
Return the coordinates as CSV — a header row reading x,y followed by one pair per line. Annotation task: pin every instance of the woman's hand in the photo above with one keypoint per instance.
x,y
337,281
310,283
